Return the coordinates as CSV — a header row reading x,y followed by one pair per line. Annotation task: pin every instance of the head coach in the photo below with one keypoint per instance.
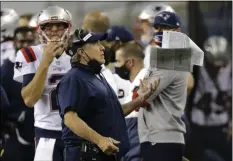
x,y
93,120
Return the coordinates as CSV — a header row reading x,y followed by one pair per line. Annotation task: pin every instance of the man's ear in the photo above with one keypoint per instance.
x,y
80,51
130,63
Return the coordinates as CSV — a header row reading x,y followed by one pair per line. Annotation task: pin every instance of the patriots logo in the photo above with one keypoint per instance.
x,y
18,65
164,16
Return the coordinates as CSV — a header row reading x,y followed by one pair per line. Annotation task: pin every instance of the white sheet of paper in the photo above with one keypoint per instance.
x,y
172,39
171,59
197,54
44,150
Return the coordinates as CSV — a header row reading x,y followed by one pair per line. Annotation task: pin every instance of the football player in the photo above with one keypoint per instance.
x,y
146,20
41,68
9,20
211,114
167,106
129,61
21,140
117,35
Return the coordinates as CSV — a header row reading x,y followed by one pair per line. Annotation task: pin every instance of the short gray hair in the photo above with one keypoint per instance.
x,y
75,58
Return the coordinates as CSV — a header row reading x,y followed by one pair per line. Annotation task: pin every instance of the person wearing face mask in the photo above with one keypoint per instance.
x,y
129,65
164,21
145,20
116,35
144,27
18,114
91,113
161,130
39,68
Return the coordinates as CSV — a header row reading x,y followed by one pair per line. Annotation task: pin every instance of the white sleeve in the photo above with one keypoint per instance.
x,y
109,77
123,88
22,67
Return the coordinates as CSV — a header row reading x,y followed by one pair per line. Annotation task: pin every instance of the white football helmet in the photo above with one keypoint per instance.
x,y
9,21
217,50
54,14
151,11
33,21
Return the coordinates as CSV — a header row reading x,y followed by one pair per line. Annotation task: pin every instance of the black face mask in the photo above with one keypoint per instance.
x,y
95,65
109,55
123,72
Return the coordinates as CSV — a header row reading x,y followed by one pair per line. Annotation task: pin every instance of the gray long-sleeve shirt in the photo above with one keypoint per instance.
x,y
163,123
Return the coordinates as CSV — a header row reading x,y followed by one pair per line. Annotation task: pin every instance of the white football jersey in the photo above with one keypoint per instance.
x,y
133,85
109,77
122,88
46,111
119,85
7,51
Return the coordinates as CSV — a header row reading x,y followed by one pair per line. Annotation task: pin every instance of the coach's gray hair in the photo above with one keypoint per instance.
x,y
76,58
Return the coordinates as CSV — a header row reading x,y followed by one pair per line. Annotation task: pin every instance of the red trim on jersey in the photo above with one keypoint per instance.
x,y
135,95
32,53
25,55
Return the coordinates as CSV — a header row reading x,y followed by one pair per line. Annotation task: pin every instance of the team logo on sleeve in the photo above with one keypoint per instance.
x,y
18,65
21,66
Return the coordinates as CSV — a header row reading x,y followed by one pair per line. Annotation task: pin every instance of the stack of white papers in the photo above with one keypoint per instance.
x,y
178,52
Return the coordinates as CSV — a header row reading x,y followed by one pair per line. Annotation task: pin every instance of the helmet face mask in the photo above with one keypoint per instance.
x,y
54,24
48,33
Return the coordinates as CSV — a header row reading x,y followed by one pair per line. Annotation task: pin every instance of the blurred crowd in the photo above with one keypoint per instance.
x,y
208,113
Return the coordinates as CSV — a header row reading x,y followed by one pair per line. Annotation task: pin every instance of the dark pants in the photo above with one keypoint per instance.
x,y
15,151
187,134
58,149
162,151
209,138
73,154
134,152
